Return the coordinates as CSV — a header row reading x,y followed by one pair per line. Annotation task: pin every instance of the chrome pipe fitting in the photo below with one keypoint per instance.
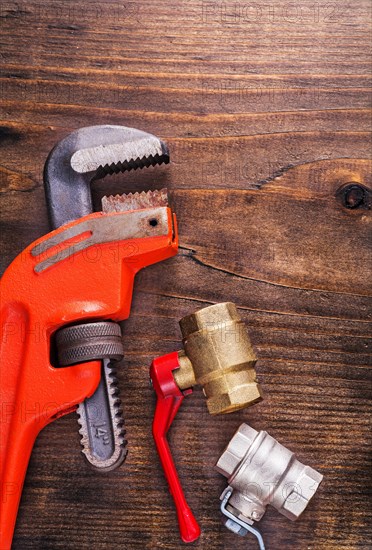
x,y
261,471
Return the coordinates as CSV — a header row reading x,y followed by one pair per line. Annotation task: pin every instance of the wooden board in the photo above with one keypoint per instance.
x,y
266,112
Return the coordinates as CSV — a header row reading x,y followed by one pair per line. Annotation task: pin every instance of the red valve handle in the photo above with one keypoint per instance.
x,y
169,400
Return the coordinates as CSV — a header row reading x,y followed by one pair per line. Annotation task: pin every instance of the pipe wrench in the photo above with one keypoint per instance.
x,y
63,295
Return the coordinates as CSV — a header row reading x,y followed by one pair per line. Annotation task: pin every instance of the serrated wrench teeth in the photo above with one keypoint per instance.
x,y
135,201
121,156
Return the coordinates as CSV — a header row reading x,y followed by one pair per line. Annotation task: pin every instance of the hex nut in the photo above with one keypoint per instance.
x,y
208,318
236,450
239,398
305,488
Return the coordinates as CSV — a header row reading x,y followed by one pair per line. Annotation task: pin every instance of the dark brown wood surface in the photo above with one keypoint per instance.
x,y
265,110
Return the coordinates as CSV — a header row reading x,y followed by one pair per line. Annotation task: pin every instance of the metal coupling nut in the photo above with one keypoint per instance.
x,y
261,471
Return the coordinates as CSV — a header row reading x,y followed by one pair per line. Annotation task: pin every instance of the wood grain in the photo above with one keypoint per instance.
x,y
266,110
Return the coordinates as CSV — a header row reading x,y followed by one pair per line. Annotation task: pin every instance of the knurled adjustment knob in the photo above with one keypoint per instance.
x,y
89,342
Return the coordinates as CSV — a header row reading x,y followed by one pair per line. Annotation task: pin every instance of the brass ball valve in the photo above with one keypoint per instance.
x,y
218,356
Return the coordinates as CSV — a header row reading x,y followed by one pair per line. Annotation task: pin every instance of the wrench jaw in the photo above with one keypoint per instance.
x,y
134,164
119,149
89,154
135,201
120,157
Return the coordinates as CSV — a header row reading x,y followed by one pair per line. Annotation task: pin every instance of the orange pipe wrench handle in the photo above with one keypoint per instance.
x,y
83,270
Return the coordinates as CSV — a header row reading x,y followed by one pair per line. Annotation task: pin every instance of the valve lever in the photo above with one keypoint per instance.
x,y
169,401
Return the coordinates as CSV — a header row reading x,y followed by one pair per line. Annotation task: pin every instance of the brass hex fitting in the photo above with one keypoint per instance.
x,y
218,356
261,471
